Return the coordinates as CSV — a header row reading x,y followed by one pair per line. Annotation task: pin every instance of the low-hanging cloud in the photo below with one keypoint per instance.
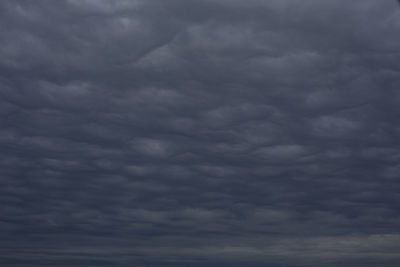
x,y
194,133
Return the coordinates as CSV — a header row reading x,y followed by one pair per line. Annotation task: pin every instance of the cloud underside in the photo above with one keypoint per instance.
x,y
193,133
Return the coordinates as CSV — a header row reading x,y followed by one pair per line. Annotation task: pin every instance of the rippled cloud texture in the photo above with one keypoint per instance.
x,y
199,133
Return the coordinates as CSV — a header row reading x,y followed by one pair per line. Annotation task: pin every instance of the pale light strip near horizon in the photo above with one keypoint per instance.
x,y
200,133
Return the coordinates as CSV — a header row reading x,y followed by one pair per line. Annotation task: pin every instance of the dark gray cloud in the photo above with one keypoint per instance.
x,y
199,133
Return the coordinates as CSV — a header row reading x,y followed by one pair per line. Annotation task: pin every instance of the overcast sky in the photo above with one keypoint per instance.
x,y
191,133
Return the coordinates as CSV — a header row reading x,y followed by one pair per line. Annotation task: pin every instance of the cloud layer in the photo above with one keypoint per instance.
x,y
199,133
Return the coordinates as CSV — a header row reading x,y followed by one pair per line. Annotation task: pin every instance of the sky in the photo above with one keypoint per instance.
x,y
193,133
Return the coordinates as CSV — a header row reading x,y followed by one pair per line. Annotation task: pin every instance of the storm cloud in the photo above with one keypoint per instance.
x,y
199,133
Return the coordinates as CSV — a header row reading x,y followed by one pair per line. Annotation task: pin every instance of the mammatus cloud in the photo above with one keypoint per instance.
x,y
194,133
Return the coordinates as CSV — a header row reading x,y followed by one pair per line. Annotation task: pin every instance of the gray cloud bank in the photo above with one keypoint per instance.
x,y
199,133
